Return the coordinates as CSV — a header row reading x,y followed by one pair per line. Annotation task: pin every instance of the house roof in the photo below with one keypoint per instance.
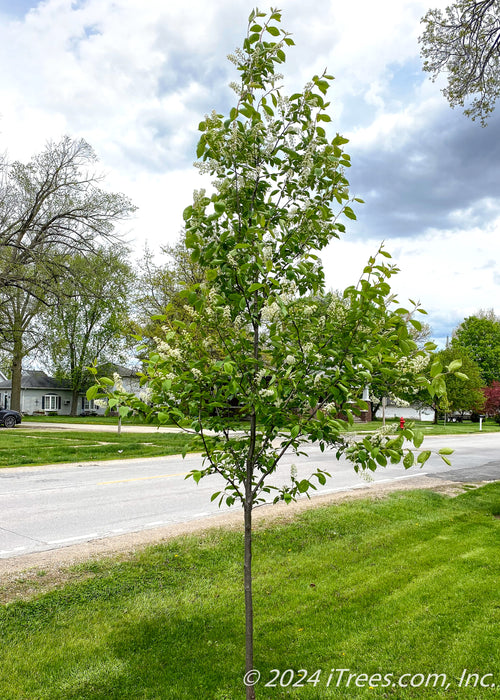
x,y
110,367
35,379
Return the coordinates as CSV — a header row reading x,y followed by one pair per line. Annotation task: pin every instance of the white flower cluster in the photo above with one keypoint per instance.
x,y
231,259
270,312
198,195
401,403
237,57
260,375
118,382
266,392
235,87
267,252
166,351
414,364
146,394
197,374
290,360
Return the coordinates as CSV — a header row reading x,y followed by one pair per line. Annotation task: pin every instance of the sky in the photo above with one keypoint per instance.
x,y
135,77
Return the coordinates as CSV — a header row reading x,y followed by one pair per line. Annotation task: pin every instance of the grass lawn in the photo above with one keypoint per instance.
x,y
29,447
93,420
403,585
441,428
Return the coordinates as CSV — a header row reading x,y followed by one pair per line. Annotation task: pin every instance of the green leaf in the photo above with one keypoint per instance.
x,y
124,411
453,366
409,460
273,30
255,286
295,431
423,457
436,368
446,460
418,438
446,451
303,485
200,150
92,392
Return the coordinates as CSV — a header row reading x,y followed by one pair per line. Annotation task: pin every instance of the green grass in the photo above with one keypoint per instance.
x,y
441,428
92,420
21,447
408,584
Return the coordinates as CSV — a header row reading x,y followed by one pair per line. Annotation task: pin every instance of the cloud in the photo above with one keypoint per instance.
x,y
135,78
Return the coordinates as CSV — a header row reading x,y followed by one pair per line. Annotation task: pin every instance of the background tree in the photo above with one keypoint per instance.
x,y
479,336
49,207
492,400
464,390
465,41
158,288
399,381
22,318
290,363
88,322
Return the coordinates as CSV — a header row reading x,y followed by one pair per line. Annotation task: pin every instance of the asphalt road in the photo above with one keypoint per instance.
x,y
44,508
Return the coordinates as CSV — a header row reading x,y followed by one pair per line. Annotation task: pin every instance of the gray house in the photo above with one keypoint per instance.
x,y
41,394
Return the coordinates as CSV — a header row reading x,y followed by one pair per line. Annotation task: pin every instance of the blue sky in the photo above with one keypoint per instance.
x,y
134,78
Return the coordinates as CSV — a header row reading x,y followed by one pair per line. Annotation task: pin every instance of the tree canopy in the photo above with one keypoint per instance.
x,y
464,390
277,367
480,337
465,41
50,209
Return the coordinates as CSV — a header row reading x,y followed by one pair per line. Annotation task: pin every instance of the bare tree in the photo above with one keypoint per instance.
x,y
49,207
465,41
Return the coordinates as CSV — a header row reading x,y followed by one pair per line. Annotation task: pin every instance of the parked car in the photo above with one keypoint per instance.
x,y
9,418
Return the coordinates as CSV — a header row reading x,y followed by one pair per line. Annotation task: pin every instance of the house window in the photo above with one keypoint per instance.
x,y
51,402
88,405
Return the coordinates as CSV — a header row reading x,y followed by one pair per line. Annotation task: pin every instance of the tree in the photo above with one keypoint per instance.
x,y
22,319
158,287
492,399
49,208
87,323
480,337
273,352
399,381
465,41
464,390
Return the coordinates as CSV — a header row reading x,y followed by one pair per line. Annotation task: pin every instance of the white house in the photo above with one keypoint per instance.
x,y
41,394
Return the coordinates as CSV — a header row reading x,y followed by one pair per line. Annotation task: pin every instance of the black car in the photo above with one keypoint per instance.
x,y
9,418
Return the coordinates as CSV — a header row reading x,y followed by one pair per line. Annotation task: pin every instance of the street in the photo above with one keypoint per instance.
x,y
44,508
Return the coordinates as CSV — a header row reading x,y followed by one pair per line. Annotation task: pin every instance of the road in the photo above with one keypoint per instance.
x,y
43,508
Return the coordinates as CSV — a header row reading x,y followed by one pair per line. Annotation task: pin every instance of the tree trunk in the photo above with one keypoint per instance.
x,y
17,368
250,689
74,402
